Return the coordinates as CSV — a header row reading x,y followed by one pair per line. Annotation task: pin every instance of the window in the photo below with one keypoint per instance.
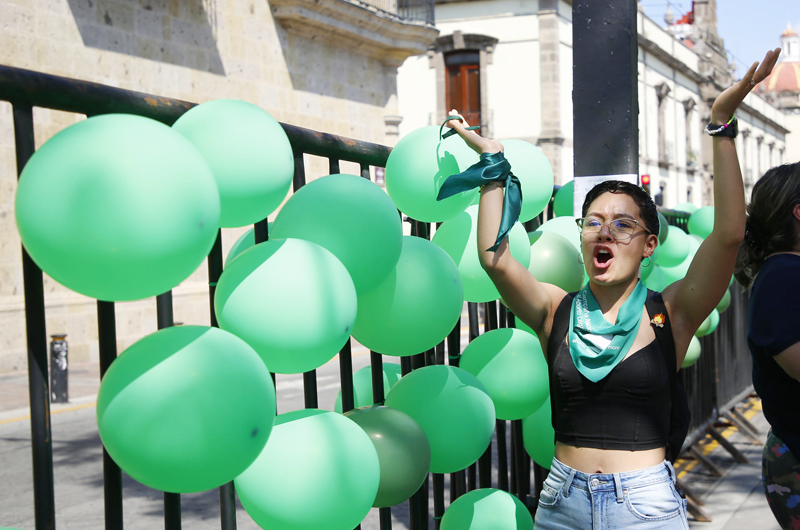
x,y
463,89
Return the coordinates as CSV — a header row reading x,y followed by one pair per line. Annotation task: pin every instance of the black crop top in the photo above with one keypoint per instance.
x,y
627,410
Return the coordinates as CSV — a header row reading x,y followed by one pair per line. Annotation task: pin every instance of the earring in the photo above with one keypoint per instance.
x,y
649,261
580,258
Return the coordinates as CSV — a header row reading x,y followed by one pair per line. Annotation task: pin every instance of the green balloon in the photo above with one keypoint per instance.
x,y
555,261
317,306
678,272
656,280
563,201
351,217
487,509
697,239
714,321
701,222
511,365
535,176
423,293
418,166
692,354
663,229
564,226
403,452
538,435
186,409
650,264
685,207
453,408
249,154
725,302
118,207
675,249
244,242
709,324
362,385
318,470
459,238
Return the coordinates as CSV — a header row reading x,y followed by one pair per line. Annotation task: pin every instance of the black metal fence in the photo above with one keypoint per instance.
x,y
721,374
26,89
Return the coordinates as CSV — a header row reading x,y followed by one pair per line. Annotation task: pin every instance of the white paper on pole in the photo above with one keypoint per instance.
x,y
584,184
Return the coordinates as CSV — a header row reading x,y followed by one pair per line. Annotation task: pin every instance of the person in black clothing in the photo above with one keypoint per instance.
x,y
609,381
769,263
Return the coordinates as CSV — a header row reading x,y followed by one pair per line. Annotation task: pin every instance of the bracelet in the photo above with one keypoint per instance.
x,y
495,182
713,132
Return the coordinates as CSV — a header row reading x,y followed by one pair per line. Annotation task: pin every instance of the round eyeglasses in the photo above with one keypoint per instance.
x,y
620,229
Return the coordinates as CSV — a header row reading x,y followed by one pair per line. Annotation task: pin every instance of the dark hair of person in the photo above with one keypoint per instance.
x,y
647,208
770,227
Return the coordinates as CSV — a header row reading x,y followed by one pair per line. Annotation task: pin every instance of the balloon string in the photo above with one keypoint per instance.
x,y
212,284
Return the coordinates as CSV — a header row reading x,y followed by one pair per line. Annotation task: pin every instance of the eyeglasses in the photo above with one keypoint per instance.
x,y
620,229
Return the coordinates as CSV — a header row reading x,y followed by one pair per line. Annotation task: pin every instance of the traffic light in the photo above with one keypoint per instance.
x,y
645,179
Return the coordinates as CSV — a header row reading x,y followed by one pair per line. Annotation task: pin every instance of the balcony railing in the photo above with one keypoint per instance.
x,y
409,10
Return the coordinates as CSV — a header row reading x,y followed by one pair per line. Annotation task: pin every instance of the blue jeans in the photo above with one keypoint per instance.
x,y
645,498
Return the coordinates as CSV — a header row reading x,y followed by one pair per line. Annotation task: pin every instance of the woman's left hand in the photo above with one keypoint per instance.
x,y
729,100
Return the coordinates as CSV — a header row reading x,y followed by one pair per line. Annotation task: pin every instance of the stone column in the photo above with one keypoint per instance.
x,y
551,138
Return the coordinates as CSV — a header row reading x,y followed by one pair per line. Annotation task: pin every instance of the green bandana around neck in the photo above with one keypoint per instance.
x,y
596,345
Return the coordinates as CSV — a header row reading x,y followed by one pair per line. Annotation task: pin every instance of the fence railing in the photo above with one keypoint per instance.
x,y
26,89
720,375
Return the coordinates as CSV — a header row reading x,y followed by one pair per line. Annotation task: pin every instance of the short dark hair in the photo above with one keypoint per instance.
x,y
647,208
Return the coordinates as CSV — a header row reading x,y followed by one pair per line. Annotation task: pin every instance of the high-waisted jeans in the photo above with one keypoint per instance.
x,y
645,498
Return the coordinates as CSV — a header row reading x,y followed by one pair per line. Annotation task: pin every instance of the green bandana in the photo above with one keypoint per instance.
x,y
596,346
490,167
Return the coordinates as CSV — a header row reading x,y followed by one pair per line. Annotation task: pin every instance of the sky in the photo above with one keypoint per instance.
x,y
748,27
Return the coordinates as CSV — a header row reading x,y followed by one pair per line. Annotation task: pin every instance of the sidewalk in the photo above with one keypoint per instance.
x,y
736,500
84,381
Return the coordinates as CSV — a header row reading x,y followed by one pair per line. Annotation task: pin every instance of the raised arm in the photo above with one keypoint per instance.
x,y
692,299
530,300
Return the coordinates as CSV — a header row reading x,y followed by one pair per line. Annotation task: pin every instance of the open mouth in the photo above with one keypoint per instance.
x,y
603,258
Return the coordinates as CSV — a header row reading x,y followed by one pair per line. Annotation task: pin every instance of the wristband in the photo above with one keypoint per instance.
x,y
730,129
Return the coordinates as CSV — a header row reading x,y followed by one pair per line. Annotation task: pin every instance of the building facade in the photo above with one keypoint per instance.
x,y
328,65
508,64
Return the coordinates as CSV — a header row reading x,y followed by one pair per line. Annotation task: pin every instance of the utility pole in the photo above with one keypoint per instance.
x,y
605,93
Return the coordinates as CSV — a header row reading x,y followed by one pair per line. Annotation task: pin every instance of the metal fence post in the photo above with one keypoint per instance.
x,y
41,444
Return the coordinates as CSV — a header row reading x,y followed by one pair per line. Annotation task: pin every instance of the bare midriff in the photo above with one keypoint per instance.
x,y
590,460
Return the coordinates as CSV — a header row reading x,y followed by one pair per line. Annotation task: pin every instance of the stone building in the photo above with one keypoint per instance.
x,y
508,65
328,65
